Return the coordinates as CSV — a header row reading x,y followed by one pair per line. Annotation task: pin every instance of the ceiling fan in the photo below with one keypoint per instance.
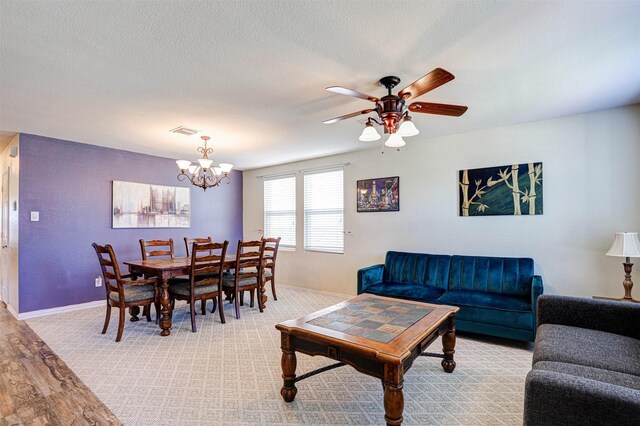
x,y
392,110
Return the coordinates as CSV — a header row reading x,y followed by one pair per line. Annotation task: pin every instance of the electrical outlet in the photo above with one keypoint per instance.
x,y
35,216
98,281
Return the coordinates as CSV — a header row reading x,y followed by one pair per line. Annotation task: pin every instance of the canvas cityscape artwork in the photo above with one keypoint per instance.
x,y
506,190
141,205
379,195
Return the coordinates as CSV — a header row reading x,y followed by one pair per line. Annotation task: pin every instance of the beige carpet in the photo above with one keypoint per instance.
x,y
230,374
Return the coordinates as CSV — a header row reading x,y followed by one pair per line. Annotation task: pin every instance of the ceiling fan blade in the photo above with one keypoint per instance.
x,y
440,109
344,117
435,78
349,92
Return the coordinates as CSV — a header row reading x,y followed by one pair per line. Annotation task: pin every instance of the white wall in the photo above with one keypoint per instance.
x,y
9,256
591,190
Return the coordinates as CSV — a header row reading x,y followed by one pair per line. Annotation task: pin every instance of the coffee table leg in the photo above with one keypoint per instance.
x,y
393,394
288,362
448,345
165,311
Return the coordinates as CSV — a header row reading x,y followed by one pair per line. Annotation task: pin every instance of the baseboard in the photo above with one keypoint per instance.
x,y
12,311
59,310
313,290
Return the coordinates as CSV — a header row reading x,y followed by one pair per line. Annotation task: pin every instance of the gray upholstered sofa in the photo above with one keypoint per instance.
x,y
586,363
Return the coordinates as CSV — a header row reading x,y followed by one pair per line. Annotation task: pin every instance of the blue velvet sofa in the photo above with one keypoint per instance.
x,y
496,295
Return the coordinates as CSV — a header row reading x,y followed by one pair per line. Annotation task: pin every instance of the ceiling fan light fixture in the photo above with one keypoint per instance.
x,y
369,133
395,141
407,128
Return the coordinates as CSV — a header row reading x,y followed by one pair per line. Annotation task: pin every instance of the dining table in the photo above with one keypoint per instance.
x,y
165,269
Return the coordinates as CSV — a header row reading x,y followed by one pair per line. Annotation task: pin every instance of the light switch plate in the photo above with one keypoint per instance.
x,y
35,216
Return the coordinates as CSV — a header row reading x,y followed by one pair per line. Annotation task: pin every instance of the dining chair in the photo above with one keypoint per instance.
x,y
155,248
247,275
160,248
205,278
270,254
188,242
123,291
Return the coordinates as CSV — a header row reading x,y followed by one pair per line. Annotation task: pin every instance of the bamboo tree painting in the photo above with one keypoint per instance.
x,y
506,190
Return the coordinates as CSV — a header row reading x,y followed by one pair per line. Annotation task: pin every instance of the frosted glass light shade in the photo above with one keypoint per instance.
x,y
226,167
183,164
205,163
625,244
369,134
395,141
216,170
193,169
407,128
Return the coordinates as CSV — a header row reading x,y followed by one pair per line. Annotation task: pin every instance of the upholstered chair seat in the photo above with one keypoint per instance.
x,y
134,293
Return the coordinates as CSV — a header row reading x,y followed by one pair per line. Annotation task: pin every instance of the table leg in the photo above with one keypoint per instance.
x,y
262,297
393,394
165,310
134,311
448,345
288,363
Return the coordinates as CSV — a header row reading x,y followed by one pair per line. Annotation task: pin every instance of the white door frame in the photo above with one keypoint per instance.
x,y
4,234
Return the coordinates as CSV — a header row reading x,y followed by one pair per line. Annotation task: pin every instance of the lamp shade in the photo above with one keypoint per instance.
x,y
183,164
226,167
205,163
395,141
369,133
407,128
625,244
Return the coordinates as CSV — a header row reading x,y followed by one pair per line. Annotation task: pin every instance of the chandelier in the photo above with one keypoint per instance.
x,y
204,174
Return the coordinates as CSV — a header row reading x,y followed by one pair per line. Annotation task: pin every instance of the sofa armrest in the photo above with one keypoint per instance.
x,y
536,291
369,276
552,398
611,316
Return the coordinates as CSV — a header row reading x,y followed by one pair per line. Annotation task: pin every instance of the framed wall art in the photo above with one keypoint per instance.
x,y
378,195
506,190
143,205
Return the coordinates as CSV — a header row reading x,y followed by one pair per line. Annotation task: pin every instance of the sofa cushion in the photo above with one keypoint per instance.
x,y
405,291
486,300
417,268
606,376
591,348
500,275
489,308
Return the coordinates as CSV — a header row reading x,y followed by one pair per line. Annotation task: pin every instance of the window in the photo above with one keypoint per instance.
x,y
324,211
280,209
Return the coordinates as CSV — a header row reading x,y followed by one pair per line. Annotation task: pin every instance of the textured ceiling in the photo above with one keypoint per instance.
x,y
252,74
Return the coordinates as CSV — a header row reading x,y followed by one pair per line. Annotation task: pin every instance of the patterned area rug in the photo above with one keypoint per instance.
x,y
230,373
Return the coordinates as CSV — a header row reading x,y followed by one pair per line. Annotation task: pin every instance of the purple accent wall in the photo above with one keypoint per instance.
x,y
70,184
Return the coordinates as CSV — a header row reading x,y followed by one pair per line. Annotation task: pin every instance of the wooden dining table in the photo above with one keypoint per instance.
x,y
167,268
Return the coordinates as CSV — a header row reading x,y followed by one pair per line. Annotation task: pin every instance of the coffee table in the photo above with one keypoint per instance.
x,y
378,336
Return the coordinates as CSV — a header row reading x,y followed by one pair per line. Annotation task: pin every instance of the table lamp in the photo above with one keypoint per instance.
x,y
626,244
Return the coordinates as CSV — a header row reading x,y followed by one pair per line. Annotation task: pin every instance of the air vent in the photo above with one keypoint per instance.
x,y
184,131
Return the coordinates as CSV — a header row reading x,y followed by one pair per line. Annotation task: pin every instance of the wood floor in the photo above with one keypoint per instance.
x,y
37,387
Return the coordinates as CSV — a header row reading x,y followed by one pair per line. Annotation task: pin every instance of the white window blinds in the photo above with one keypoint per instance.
x,y
280,209
324,211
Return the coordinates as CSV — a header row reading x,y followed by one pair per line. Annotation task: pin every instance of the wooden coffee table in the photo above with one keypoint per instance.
x,y
378,336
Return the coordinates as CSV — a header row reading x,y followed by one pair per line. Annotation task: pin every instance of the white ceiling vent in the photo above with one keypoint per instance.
x,y
184,131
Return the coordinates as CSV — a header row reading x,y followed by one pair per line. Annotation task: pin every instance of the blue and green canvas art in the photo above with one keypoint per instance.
x,y
506,190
